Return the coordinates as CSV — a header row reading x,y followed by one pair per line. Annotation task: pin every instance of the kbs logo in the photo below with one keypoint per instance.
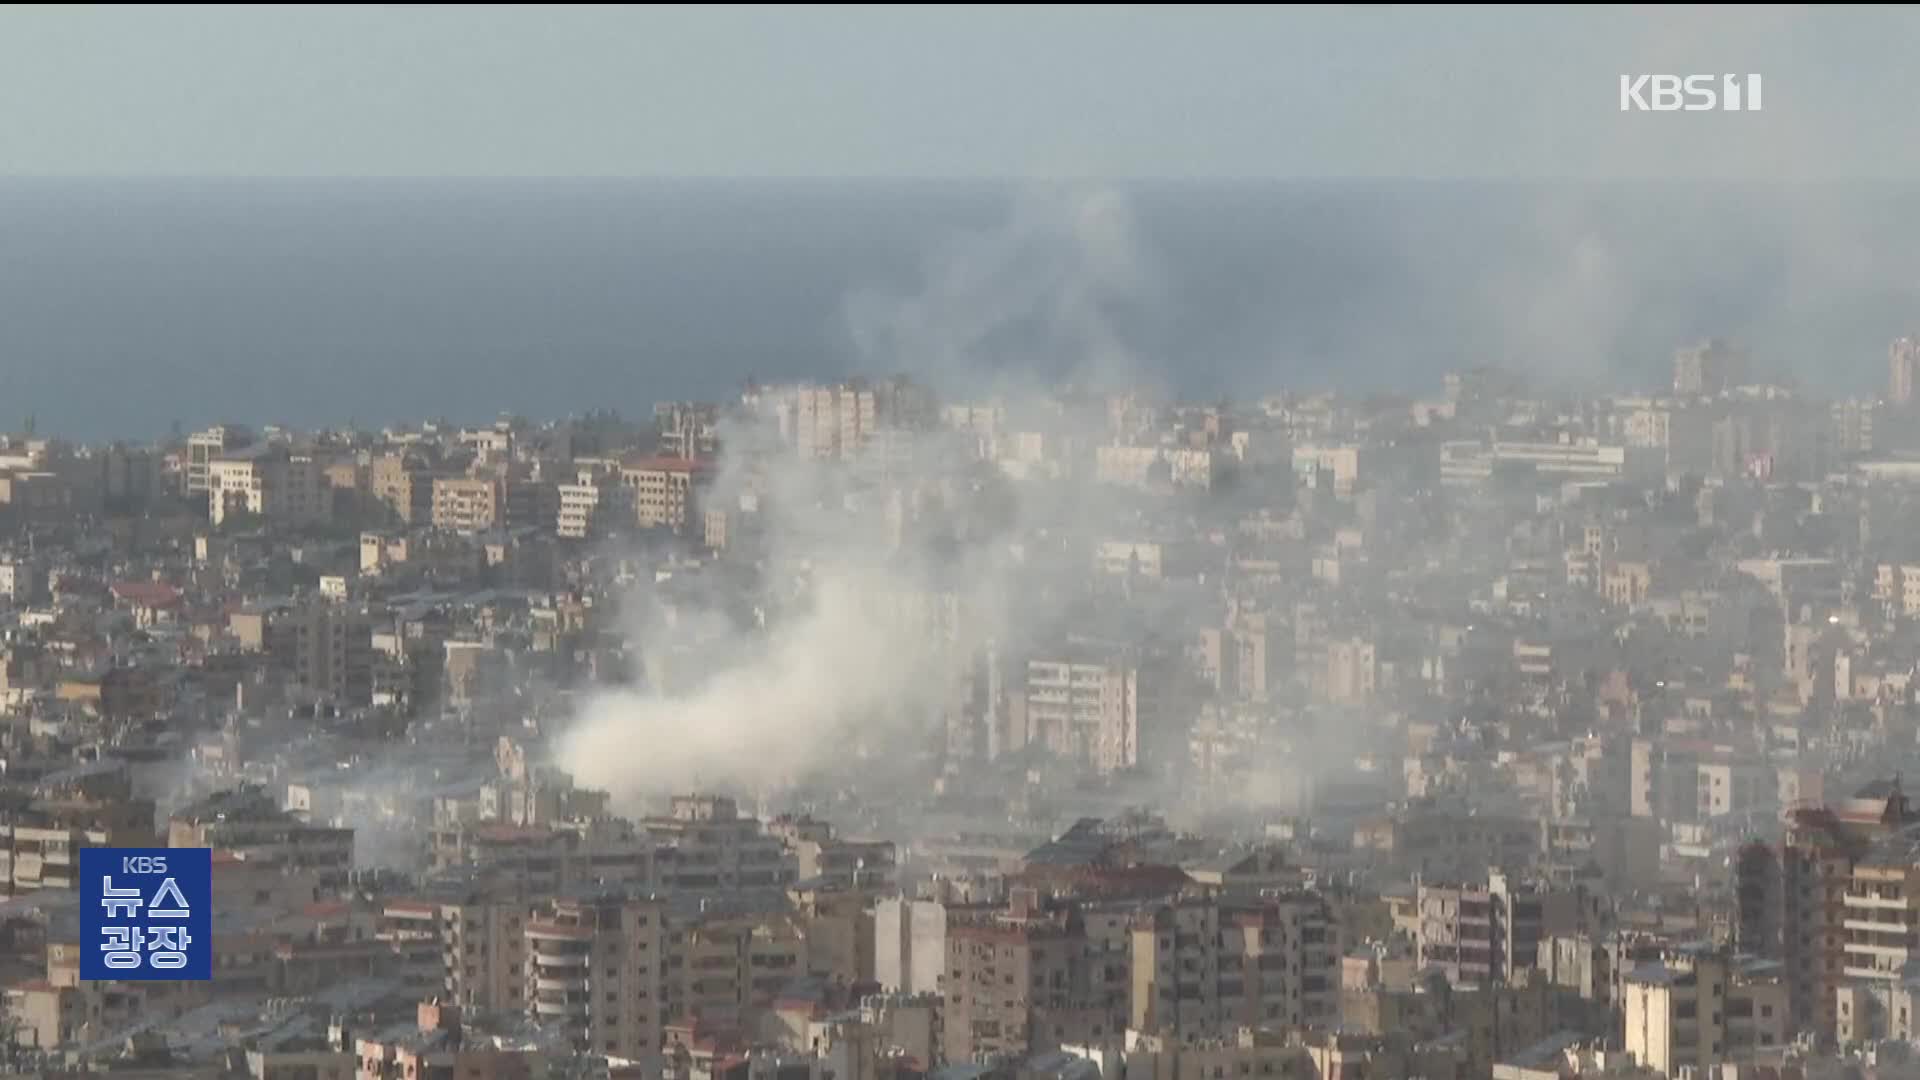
x,y
146,914
1689,93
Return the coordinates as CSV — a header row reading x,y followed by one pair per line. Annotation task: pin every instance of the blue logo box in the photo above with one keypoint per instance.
x,y
146,914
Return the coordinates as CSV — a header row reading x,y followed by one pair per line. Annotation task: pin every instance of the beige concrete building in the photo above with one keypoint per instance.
x,y
595,969
1352,672
844,420
593,506
910,944
205,446
47,1016
46,857
664,490
468,503
269,483
1004,975
403,485
1701,1008
708,844
1480,935
1872,1010
1204,969
1903,358
1830,902
1086,710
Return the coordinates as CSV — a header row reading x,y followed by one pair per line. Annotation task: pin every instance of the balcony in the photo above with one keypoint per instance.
x,y
1863,900
561,1009
542,958
1870,973
1878,932
1895,952
559,986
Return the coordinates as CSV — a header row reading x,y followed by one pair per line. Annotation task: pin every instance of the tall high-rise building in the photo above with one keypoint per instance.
x,y
843,420
1809,903
1902,358
204,446
594,970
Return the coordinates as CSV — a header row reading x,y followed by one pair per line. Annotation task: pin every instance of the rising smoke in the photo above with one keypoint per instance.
x,y
881,583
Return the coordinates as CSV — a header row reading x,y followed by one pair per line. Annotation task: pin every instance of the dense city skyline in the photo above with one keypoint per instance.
x,y
969,543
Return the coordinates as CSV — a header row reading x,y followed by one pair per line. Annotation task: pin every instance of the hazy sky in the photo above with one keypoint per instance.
x,y
1124,93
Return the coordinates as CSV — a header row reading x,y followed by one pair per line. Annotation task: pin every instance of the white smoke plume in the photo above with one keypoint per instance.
x,y
880,583
1038,300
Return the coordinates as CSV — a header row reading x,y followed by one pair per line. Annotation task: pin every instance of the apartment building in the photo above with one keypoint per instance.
x,y
47,1015
44,857
249,821
594,505
687,429
1876,1010
1880,920
611,966
825,861
402,484
1026,979
1696,1008
1203,969
1897,588
1086,709
537,859
205,446
1442,840
1482,935
23,581
1351,672
1176,960
1006,971
1823,902
664,490
708,845
910,944
466,932
411,931
328,649
844,420
595,968
468,503
270,483
723,963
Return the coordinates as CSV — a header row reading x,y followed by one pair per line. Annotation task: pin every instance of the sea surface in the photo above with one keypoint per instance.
x,y
130,307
